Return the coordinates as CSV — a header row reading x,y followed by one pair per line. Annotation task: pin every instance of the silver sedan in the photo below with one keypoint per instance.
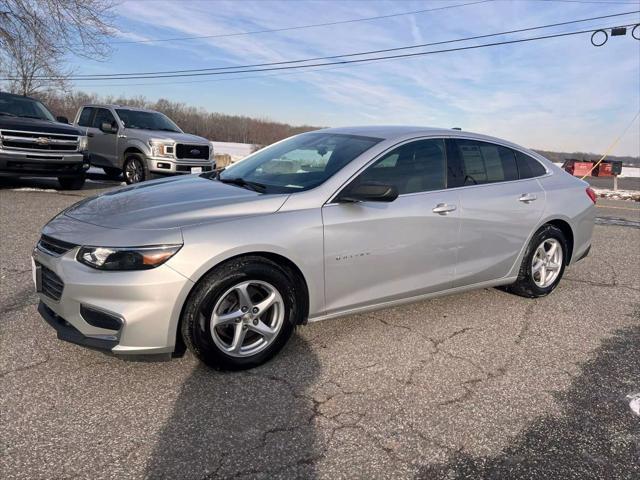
x,y
317,226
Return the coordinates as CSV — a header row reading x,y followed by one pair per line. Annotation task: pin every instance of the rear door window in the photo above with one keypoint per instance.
x,y
528,167
472,162
85,117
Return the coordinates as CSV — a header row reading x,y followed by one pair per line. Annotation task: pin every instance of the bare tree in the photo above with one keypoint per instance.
x,y
36,36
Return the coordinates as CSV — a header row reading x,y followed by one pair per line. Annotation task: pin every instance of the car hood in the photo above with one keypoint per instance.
x,y
173,202
35,125
163,135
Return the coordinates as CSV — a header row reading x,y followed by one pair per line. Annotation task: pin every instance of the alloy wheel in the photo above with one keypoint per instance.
x,y
247,318
133,171
547,262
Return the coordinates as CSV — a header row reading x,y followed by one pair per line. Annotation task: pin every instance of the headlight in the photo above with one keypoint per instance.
x,y
126,258
161,149
83,143
211,154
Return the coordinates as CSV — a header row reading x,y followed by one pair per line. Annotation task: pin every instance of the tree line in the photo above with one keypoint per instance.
x,y
215,126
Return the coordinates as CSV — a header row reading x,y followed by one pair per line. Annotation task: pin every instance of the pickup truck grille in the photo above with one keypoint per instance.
x,y
200,152
38,141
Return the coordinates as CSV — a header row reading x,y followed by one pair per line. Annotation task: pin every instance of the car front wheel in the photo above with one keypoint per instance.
x,y
241,313
543,263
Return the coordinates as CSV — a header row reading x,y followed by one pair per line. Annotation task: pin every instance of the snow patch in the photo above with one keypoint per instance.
x,y
632,195
31,189
634,403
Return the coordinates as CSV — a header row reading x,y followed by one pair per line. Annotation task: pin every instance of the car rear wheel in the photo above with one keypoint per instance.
x,y
135,169
72,183
543,264
112,172
241,313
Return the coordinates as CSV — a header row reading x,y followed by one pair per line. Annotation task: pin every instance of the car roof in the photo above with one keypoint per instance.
x,y
121,107
391,132
7,94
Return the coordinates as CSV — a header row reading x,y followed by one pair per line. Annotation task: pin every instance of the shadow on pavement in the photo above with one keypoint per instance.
x,y
95,181
255,423
597,436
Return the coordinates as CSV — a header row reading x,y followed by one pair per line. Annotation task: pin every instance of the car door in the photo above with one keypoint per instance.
x,y
375,251
103,146
498,209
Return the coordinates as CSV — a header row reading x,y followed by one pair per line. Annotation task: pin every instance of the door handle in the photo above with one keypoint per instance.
x,y
89,134
527,198
443,208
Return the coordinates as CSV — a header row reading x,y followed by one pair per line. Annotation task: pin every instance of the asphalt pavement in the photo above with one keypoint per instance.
x,y
478,385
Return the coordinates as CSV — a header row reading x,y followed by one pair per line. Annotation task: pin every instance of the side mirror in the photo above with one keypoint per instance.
x,y
108,127
62,119
369,192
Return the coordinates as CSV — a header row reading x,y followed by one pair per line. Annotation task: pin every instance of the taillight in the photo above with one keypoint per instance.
x,y
591,194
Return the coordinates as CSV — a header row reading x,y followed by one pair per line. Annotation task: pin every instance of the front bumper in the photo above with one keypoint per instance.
x,y
36,164
146,303
171,166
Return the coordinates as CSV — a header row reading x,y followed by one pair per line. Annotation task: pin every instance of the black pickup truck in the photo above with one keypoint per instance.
x,y
34,143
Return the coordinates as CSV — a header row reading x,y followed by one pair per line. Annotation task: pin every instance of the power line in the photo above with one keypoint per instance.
x,y
388,57
298,27
163,74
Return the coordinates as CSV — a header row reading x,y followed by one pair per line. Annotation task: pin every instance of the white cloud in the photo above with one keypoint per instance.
x,y
559,93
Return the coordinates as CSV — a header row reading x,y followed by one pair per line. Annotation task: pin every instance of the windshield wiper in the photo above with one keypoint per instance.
x,y
241,182
34,116
8,114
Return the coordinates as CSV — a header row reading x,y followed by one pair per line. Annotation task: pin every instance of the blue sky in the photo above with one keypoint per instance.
x,y
556,94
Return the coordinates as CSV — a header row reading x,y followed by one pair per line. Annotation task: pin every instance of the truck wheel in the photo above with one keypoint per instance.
x,y
241,313
135,169
112,172
72,183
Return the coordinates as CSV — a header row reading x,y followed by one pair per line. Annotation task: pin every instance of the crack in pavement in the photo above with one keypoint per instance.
x,y
25,367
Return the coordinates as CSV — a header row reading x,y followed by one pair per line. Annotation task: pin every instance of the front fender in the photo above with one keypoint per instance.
x,y
130,143
296,236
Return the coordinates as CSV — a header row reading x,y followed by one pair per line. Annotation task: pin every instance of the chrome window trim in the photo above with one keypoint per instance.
x,y
548,173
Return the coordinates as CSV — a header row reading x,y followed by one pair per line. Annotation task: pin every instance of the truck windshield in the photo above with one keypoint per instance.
x,y
146,120
298,163
24,107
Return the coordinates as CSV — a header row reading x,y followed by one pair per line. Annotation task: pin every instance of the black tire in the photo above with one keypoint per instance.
x,y
138,162
112,172
72,183
195,325
525,286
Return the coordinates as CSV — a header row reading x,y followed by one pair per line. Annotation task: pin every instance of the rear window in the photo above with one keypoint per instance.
x,y
528,167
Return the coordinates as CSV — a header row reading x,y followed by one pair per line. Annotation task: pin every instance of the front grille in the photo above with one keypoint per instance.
x,y
40,166
192,151
38,142
53,246
52,284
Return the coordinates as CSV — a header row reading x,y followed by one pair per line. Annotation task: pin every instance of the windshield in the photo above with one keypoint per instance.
x,y
24,107
146,120
299,163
